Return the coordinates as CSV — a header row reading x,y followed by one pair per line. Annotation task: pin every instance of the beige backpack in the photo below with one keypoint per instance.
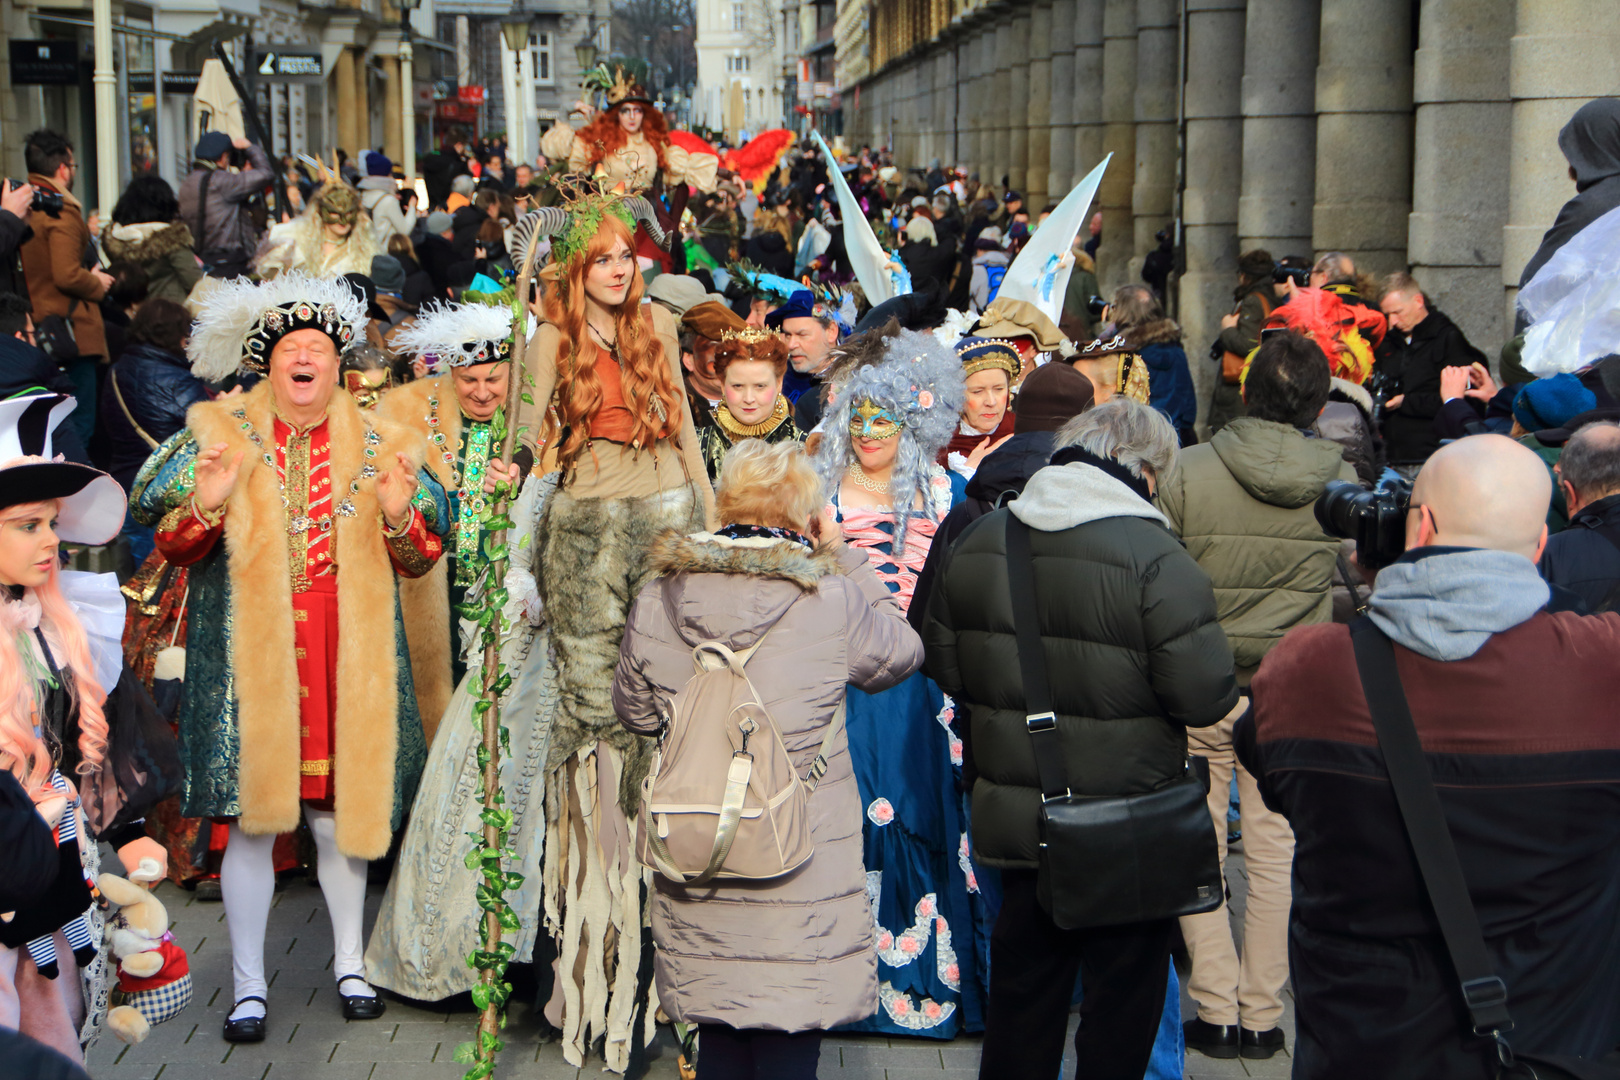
x,y
722,799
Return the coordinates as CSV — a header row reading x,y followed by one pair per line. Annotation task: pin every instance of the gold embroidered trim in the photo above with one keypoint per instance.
x,y
411,559
734,431
300,615
295,496
322,767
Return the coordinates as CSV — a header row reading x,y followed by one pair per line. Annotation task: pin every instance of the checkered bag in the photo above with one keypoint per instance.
x,y
163,1002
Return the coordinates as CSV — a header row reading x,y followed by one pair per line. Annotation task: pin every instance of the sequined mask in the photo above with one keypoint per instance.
x,y
872,421
366,387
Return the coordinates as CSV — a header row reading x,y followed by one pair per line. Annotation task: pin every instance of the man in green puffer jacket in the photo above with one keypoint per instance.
x,y
1243,503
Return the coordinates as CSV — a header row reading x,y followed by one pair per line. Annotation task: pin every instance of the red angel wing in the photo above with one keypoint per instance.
x,y
691,143
755,161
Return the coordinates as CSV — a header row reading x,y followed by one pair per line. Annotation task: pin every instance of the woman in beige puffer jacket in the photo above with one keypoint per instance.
x,y
766,966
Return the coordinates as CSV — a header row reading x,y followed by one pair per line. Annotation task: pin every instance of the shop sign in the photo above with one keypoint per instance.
x,y
45,63
290,66
470,95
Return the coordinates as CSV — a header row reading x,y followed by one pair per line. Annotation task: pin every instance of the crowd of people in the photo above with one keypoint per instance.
x,y
962,564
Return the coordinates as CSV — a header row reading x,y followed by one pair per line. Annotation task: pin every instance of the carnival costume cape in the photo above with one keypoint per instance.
x,y
242,684
428,922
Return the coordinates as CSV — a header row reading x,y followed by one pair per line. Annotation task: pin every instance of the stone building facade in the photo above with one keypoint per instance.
x,y
1412,134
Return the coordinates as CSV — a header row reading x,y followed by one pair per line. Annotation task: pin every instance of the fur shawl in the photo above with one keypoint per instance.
x,y
425,601
262,662
706,553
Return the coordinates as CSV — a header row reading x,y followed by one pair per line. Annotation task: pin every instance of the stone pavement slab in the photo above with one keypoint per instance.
x,y
309,1040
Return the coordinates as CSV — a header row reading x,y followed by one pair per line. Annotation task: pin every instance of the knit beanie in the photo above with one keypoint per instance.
x,y
1552,402
1051,396
1255,264
377,165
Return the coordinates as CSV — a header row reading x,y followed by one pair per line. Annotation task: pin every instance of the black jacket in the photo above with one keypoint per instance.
x,y
1436,342
1001,476
13,231
1134,652
1585,557
158,387
31,860
466,222
770,252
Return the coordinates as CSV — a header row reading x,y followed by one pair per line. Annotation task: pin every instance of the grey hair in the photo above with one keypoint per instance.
x,y
1591,460
1135,435
1337,266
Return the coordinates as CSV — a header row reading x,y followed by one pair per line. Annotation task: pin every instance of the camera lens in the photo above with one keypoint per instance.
x,y
1095,306
1340,507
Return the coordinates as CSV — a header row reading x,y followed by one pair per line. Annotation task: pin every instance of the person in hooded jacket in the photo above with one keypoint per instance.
x,y
147,231
1244,504
768,250
765,967
1136,657
1050,397
1591,144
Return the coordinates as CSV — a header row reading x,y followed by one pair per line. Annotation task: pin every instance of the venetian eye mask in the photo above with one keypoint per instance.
x,y
871,421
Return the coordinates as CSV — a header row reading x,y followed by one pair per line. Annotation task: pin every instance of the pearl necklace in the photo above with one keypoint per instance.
x,y
858,475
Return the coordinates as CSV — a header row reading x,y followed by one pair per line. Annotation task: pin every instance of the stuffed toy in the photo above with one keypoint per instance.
x,y
152,971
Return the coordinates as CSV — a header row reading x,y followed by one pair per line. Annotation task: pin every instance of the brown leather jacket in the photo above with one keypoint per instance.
x,y
56,262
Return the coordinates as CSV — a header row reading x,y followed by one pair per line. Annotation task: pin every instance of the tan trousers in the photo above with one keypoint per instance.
x,y
1229,990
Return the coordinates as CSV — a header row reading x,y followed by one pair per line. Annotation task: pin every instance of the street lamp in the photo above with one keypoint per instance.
x,y
407,85
585,50
515,29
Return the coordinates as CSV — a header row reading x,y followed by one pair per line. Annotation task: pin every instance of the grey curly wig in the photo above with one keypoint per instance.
x,y
920,381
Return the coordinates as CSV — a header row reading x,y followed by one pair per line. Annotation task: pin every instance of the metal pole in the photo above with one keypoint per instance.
x,y
407,81
105,82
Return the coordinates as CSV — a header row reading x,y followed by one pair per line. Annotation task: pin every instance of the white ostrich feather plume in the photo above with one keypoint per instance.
x,y
229,315
455,333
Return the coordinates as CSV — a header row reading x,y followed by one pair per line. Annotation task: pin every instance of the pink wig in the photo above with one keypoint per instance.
x,y
29,758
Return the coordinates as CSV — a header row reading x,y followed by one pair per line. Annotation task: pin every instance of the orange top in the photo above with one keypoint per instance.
x,y
613,420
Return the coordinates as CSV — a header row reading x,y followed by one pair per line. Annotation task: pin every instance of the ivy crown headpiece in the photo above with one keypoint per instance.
x,y
573,224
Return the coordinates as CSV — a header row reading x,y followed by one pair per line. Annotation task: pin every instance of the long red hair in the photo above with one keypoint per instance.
x,y
649,391
22,752
604,135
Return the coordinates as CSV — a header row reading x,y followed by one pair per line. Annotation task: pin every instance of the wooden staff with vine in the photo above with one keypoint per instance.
x,y
489,853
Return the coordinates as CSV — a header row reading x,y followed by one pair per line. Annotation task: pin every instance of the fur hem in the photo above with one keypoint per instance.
x,y
1354,393
425,601
263,663
1156,332
705,553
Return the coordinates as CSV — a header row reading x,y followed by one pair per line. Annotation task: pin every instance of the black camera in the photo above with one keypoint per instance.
x,y
1299,275
1095,306
1375,520
46,202
1382,384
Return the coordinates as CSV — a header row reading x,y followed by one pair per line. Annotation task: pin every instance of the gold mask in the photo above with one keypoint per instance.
x,y
872,421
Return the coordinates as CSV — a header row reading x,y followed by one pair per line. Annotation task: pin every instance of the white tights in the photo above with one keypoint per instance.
x,y
247,882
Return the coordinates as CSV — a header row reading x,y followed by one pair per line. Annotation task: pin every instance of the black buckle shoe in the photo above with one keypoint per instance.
x,y
1259,1045
359,1006
249,1029
1211,1040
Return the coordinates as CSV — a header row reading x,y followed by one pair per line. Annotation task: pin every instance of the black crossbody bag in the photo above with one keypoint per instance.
x,y
1114,859
1483,991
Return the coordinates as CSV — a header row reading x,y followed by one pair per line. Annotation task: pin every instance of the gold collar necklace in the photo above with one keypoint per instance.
x,y
735,430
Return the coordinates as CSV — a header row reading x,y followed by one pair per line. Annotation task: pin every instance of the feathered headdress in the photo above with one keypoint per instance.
x,y
918,391
620,81
459,335
239,322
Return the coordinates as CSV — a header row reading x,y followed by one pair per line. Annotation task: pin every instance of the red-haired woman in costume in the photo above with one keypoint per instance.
x,y
607,395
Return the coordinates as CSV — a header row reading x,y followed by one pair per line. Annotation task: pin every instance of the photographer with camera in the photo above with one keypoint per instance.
x,y
65,286
1254,299
16,200
1513,710
1421,343
1242,503
215,202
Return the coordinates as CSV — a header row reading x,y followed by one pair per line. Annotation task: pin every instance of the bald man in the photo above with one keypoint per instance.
x,y
1585,557
1515,707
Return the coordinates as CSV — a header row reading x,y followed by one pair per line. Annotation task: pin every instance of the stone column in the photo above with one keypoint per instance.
x,y
1564,53
393,111
998,118
979,52
1463,135
1119,139
1279,127
1214,178
343,76
1364,132
1039,110
1018,102
1158,34
1062,108
1088,90
362,106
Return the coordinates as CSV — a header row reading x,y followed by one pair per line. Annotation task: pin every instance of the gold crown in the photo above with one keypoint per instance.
x,y
748,335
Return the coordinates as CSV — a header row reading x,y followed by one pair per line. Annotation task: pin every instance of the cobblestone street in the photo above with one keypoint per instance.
x,y
309,1041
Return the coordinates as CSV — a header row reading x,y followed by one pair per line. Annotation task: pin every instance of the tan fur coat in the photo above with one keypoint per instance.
x,y
263,663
